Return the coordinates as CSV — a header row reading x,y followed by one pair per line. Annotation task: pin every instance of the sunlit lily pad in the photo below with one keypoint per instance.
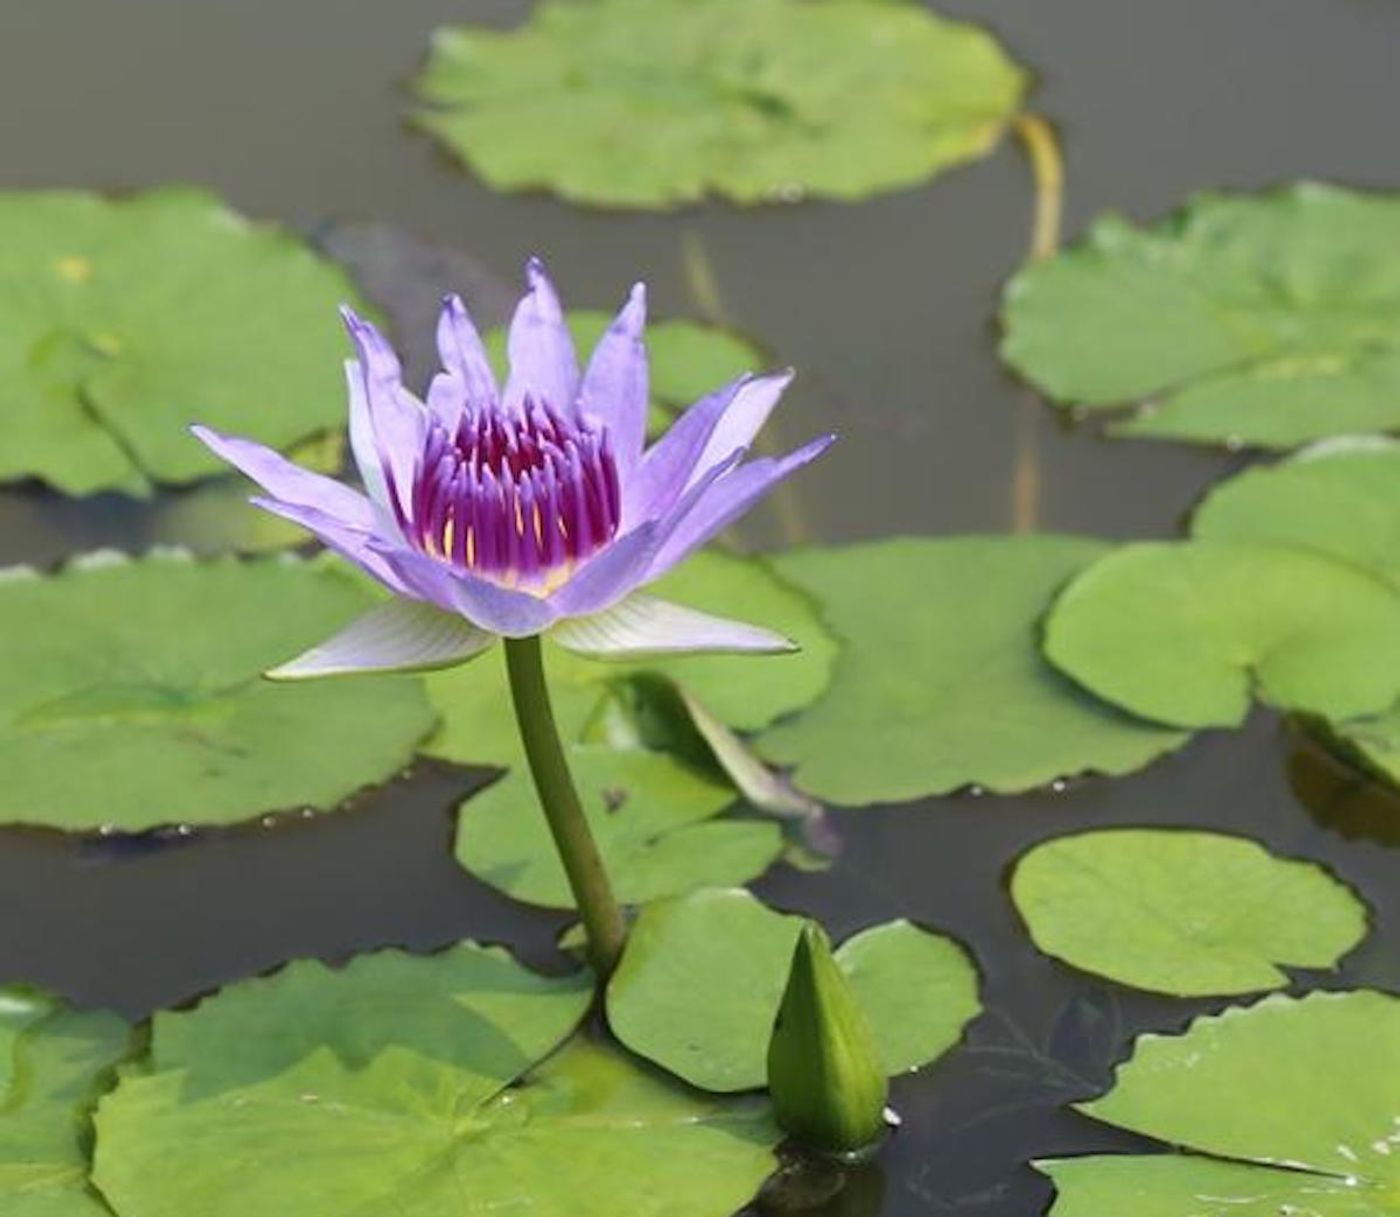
x,y
744,691
122,321
1339,497
1185,633
940,683
131,694
1271,319
703,975
392,1087
1192,913
56,1065
653,818
1285,1107
651,103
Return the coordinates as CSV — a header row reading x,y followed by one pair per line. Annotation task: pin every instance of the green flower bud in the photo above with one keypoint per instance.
x,y
824,1071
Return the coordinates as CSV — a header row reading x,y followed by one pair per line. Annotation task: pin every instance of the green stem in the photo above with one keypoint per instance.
x,y
602,919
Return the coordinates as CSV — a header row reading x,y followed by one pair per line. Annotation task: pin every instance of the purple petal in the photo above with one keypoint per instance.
x,y
615,386
501,610
350,543
290,482
542,360
744,419
642,625
401,636
362,443
726,499
462,353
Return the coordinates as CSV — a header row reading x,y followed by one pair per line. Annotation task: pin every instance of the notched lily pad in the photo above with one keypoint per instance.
x,y
1284,1107
940,682
1185,633
1269,320
652,103
431,1099
122,321
1192,913
131,694
654,820
702,977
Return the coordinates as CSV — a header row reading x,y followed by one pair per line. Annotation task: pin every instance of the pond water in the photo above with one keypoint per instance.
x,y
292,110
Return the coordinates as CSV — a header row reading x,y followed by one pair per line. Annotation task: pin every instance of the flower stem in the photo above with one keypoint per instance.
x,y
602,919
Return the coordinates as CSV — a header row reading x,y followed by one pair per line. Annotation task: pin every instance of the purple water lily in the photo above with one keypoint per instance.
x,y
536,509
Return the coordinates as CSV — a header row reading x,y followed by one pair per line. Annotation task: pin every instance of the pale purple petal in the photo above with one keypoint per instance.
x,y
362,444
615,386
643,625
728,498
290,482
462,353
542,361
401,636
501,610
744,419
350,543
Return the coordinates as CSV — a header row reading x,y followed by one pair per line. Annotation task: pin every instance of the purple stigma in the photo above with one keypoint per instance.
x,y
521,499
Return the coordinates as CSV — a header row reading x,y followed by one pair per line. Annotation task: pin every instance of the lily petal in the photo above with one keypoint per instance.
x,y
466,378
401,636
488,605
541,352
289,482
350,543
615,386
744,419
644,625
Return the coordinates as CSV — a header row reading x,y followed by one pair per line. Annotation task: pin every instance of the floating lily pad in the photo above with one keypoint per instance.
x,y
1192,913
702,977
122,321
652,103
56,1065
1339,497
745,691
278,1102
1184,633
940,683
1292,1100
652,817
131,694
1269,320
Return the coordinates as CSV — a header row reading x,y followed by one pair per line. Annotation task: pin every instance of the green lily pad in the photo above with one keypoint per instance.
x,y
1193,913
940,683
1270,319
1184,633
278,1102
652,103
1339,497
702,978
131,694
56,1065
1292,1100
652,817
745,691
123,321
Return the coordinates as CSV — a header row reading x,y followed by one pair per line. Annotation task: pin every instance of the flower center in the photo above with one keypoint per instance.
x,y
520,499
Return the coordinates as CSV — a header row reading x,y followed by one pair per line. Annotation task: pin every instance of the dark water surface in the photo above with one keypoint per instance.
x,y
292,109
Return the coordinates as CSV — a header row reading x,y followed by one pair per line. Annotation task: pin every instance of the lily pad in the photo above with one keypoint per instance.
x,y
56,1066
1293,1101
1184,633
745,691
1339,497
1270,319
131,694
1192,913
277,1102
940,683
652,817
124,320
702,978
653,103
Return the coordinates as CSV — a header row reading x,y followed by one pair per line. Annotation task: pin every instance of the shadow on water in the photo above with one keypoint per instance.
x,y
293,110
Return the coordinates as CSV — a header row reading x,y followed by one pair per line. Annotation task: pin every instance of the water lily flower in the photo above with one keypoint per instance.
x,y
536,508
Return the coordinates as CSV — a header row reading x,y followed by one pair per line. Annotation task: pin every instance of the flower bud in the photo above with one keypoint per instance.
x,y
824,1072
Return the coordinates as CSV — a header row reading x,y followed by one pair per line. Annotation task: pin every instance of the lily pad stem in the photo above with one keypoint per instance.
x,y
588,880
